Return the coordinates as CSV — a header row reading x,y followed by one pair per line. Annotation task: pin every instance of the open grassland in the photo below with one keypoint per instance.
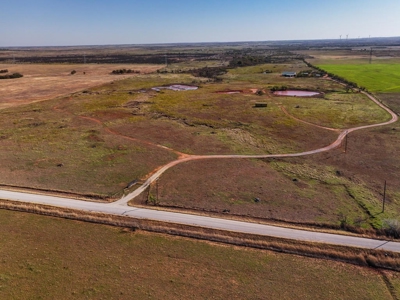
x,y
337,110
333,188
52,258
391,100
47,148
371,158
42,82
274,190
376,77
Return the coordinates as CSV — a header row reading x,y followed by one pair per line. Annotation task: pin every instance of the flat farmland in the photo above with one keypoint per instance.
x,y
46,81
376,77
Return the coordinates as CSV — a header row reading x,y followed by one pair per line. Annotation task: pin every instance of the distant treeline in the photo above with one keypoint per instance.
x,y
11,76
124,71
115,58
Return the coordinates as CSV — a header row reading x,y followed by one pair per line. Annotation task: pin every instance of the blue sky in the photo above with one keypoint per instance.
x,y
100,22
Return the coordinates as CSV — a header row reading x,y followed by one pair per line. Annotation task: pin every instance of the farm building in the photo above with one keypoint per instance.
x,y
289,74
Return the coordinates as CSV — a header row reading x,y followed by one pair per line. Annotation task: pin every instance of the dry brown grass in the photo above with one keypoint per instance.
x,y
42,82
374,258
49,258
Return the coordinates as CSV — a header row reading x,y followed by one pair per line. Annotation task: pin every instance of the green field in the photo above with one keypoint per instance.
x,y
384,78
50,258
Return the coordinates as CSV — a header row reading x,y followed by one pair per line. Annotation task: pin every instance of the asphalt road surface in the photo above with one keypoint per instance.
x,y
201,221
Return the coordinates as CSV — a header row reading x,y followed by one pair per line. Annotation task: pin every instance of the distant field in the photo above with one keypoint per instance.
x,y
46,81
49,258
381,77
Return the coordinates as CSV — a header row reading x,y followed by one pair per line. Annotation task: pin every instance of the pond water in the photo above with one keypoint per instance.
x,y
296,93
176,87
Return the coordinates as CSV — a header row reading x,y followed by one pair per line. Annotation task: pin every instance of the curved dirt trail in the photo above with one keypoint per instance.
x,y
124,200
113,132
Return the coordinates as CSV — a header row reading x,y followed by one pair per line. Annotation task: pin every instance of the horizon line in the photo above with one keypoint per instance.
x,y
198,43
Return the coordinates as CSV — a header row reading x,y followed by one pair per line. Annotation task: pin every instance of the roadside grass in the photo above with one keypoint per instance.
x,y
370,159
54,258
292,192
376,77
336,110
359,206
392,100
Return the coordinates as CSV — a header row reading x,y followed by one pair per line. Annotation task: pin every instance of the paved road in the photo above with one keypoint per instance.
x,y
120,207
215,223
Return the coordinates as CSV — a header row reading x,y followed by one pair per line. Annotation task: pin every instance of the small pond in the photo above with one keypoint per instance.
x,y
176,87
296,93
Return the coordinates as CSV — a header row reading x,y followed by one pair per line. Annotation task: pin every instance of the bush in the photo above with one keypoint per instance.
x,y
279,88
4,71
391,227
73,72
12,76
124,71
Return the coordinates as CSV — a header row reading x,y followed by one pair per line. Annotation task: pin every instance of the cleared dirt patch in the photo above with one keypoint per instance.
x,y
296,93
176,87
230,92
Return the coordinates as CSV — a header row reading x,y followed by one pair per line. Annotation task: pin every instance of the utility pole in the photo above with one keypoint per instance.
x,y
384,197
370,56
157,190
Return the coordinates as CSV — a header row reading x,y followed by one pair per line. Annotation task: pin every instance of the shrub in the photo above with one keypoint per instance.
x,y
124,71
391,227
11,76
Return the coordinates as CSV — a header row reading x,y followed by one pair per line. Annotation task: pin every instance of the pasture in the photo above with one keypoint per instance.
x,y
50,258
378,77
